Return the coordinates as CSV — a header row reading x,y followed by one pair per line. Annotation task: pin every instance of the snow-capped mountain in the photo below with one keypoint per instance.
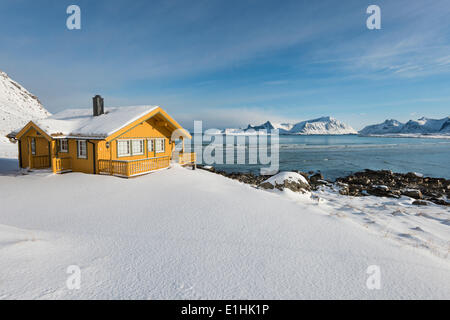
x,y
322,126
388,126
17,106
424,125
420,126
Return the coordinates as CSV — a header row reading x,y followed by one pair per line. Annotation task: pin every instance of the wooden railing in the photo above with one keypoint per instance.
x,y
63,164
40,162
130,168
186,158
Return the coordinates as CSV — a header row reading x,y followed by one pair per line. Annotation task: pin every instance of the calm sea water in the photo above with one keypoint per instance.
x,y
337,156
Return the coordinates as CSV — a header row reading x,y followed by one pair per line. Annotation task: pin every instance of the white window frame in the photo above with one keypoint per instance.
x,y
150,145
142,145
119,155
80,155
62,147
157,141
33,146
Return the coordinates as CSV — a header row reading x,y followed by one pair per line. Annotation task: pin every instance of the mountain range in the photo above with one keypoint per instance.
x,y
420,126
320,126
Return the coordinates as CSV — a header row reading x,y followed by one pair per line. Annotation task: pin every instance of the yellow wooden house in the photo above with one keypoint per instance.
x,y
122,141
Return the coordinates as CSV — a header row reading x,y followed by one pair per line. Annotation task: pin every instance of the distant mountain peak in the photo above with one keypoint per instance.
x,y
325,118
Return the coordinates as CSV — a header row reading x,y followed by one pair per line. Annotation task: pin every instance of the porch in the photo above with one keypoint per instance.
x,y
63,164
187,158
131,168
60,165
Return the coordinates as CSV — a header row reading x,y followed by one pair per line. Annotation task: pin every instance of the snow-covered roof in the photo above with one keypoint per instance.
x,y
81,122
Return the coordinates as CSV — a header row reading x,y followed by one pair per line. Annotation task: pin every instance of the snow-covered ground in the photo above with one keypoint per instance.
x,y
7,149
424,228
186,234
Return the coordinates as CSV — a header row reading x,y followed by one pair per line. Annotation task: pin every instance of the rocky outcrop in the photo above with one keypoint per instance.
x,y
380,183
388,184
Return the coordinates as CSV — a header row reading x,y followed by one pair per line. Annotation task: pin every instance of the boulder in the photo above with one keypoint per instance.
x,y
287,180
412,193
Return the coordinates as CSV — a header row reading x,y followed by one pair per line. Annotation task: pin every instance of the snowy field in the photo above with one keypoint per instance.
x,y
183,234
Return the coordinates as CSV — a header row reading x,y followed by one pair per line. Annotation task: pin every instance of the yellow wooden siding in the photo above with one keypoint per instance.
x,y
41,158
79,164
147,130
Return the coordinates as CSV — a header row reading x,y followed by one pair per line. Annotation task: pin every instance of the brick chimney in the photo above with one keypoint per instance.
x,y
98,105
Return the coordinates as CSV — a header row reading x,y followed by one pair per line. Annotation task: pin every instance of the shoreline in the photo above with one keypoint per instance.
x,y
406,135
387,135
379,183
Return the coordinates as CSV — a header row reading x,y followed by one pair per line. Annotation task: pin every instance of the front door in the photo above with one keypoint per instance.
x,y
39,153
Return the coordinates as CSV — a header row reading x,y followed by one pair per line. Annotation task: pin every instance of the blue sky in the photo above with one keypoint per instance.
x,y
234,62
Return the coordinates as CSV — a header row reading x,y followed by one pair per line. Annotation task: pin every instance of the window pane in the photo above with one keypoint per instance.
x,y
64,145
82,149
138,146
151,145
123,148
160,144
33,146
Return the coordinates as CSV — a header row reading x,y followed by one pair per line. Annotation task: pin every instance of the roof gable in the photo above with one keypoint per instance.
x,y
29,126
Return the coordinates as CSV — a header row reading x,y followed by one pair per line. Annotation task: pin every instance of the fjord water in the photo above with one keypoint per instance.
x,y
339,155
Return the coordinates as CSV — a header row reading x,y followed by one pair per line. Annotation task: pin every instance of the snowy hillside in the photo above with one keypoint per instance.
x,y
420,126
17,106
322,126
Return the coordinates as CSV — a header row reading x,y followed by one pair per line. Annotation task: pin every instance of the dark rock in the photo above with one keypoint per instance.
x,y
381,191
412,193
420,203
315,177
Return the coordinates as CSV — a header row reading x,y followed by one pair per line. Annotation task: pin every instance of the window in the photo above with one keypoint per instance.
x,y
63,145
137,147
160,145
82,149
151,145
33,146
123,148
